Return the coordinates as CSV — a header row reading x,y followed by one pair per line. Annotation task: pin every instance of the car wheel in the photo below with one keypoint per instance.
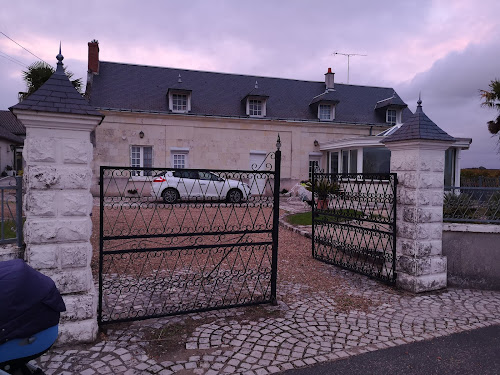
x,y
170,195
234,196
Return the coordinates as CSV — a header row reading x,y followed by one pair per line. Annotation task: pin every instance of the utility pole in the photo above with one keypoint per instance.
x,y
348,57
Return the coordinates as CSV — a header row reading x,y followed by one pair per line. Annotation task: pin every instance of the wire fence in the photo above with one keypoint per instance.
x,y
480,182
472,204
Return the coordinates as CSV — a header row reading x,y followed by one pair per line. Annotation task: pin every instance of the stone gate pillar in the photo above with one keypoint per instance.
x,y
57,200
417,156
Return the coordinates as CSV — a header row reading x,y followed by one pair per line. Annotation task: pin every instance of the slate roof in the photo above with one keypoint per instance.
x,y
328,96
5,134
140,88
57,95
10,123
394,100
419,126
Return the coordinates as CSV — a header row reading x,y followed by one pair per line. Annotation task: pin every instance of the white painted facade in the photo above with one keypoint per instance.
x,y
218,143
6,155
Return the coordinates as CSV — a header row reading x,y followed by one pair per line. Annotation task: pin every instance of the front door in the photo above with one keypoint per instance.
x,y
257,183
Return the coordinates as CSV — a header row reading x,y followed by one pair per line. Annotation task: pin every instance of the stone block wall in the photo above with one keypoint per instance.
x,y
58,205
419,165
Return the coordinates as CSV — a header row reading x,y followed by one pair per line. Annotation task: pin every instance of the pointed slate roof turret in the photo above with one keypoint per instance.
x,y
58,95
419,126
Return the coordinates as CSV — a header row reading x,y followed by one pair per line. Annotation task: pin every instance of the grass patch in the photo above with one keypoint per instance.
x,y
9,229
305,218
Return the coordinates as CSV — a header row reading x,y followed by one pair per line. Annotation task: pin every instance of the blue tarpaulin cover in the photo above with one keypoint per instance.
x,y
29,301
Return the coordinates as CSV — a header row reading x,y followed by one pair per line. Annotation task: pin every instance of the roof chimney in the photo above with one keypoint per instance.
x,y
329,81
94,57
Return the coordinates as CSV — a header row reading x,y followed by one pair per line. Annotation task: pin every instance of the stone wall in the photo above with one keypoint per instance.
x,y
473,253
58,204
9,252
420,167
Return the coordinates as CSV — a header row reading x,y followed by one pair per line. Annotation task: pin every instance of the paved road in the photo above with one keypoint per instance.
x,y
470,352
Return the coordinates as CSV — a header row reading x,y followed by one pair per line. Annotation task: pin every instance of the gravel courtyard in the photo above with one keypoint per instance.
x,y
323,313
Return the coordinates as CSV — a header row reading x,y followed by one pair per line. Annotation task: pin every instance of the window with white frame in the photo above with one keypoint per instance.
x,y
179,102
353,161
391,116
179,161
334,162
313,165
179,157
345,161
449,166
325,112
348,161
141,157
255,107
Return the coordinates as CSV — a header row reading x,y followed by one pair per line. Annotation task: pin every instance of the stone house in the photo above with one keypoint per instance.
x,y
179,118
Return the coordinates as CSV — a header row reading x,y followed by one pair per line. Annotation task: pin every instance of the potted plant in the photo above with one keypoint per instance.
x,y
323,188
10,171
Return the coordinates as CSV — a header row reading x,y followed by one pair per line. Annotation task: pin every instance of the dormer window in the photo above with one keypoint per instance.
x,y
179,101
392,108
326,112
391,116
256,107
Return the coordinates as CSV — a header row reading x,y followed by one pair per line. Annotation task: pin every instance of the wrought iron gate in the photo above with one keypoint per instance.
x,y
354,222
185,240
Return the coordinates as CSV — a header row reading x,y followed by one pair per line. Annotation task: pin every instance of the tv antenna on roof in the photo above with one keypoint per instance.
x,y
348,57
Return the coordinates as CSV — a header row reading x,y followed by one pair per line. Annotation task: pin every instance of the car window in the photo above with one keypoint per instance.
x,y
216,178
193,175
208,176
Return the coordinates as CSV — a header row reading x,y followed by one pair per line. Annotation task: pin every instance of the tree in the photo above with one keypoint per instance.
x,y
38,73
492,100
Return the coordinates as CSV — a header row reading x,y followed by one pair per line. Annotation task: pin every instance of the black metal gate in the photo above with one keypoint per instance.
x,y
354,222
176,241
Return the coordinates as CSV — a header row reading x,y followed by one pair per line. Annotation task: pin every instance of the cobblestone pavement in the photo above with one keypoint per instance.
x,y
303,329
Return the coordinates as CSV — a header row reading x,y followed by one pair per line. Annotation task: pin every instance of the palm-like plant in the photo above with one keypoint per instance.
x,y
38,73
323,187
492,100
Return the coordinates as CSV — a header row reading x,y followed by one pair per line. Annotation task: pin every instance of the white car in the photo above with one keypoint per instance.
x,y
172,186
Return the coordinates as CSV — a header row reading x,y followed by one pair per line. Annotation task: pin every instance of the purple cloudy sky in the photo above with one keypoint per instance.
x,y
447,50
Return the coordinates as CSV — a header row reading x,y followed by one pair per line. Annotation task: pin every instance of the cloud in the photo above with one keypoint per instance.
x,y
450,94
447,50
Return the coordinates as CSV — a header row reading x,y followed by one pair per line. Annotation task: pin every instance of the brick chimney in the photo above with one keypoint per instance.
x,y
93,66
329,81
94,57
